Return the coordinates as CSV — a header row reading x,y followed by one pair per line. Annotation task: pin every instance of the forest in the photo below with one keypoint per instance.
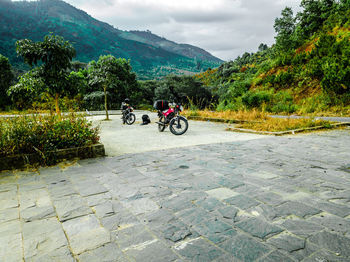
x,y
307,70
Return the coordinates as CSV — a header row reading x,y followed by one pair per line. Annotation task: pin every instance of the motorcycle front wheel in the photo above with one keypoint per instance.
x,y
178,125
130,118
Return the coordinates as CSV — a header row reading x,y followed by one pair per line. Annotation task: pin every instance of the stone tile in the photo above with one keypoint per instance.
x,y
95,200
121,219
71,207
10,227
62,254
287,242
325,256
270,198
151,251
228,213
242,202
300,227
263,175
107,253
198,250
333,242
89,188
104,209
215,230
229,182
245,248
176,203
11,247
259,228
333,223
132,236
9,214
141,206
335,209
276,256
37,213
296,208
194,216
85,233
42,237
210,204
221,193
174,231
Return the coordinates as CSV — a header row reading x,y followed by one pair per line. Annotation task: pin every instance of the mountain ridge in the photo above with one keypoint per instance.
x,y
151,56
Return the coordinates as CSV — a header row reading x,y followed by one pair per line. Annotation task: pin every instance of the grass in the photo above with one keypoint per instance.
x,y
242,115
259,121
277,124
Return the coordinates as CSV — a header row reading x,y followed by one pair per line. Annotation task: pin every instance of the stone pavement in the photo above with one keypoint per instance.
x,y
270,199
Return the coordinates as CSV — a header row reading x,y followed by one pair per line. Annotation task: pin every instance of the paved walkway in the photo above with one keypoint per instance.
x,y
270,199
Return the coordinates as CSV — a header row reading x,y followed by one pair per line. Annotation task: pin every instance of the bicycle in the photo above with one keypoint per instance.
x,y
169,115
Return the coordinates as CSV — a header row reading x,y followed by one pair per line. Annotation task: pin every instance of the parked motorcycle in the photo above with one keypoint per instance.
x,y
127,116
169,115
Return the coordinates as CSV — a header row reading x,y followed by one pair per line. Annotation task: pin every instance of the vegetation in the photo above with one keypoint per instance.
x,y
277,124
6,77
42,134
56,55
306,71
112,73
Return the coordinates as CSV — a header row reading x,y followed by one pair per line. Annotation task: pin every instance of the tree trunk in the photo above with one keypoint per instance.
x,y
105,91
58,112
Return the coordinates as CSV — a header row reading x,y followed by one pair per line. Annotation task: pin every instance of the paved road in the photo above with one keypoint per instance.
x,y
269,199
120,139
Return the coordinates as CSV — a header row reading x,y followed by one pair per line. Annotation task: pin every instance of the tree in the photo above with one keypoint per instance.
x,y
6,77
28,89
314,14
114,74
285,27
56,55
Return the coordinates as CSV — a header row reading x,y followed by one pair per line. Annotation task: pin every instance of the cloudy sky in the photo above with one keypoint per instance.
x,y
225,28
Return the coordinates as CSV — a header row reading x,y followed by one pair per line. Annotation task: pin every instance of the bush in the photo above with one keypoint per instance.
x,y
283,102
37,133
255,99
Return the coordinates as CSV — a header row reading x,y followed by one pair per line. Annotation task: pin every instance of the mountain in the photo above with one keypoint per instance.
x,y
151,56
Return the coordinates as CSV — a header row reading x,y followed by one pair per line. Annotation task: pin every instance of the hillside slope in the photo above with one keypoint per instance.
x,y
149,57
307,70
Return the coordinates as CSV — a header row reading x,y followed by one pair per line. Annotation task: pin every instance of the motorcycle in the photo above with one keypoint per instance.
x,y
127,116
169,115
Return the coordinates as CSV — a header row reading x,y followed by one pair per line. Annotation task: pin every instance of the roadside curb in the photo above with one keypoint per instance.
x,y
289,132
22,160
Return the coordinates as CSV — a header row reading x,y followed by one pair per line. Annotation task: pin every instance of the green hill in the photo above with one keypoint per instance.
x,y
151,56
307,70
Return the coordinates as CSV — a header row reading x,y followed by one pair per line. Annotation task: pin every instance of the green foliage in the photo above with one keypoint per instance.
x,y
29,88
6,77
330,62
56,55
256,99
33,134
113,74
285,29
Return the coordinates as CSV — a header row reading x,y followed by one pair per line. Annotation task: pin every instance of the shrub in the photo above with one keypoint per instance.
x,y
37,133
255,99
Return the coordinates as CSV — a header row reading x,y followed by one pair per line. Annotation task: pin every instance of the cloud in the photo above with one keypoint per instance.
x,y
226,28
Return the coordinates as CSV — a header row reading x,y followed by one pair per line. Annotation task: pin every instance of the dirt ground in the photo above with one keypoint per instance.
x,y
120,139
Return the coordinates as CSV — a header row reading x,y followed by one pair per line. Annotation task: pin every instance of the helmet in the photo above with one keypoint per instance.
x,y
127,100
